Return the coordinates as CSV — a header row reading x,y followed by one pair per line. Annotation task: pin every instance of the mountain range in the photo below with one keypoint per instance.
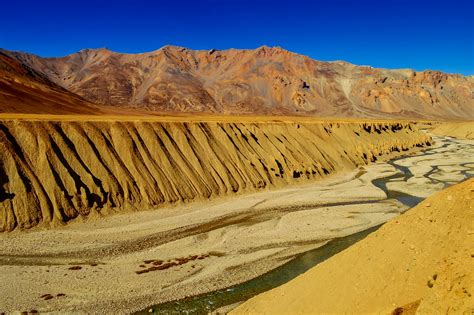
x,y
262,81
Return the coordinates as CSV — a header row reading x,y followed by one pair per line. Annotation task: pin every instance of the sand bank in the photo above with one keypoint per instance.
x,y
461,130
421,260
200,246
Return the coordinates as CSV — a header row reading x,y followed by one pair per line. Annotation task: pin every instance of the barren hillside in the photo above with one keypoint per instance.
x,y
462,130
55,171
261,81
420,262
25,90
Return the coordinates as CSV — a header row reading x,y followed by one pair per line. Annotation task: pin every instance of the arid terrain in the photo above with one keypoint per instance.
x,y
183,249
462,130
22,90
131,180
99,167
263,81
420,262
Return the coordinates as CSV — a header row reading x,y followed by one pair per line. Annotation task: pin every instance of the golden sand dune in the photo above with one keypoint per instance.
x,y
462,130
54,172
420,261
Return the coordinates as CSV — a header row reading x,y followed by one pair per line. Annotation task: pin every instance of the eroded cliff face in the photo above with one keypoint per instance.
x,y
55,172
461,130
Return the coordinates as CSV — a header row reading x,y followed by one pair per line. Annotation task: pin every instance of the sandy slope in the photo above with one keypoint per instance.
x,y
247,236
57,171
421,260
462,130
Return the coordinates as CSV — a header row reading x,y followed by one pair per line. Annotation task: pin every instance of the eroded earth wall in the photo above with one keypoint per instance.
x,y
55,172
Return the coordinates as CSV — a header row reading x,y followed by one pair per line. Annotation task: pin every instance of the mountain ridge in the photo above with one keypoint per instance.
x,y
264,81
96,49
336,61
24,90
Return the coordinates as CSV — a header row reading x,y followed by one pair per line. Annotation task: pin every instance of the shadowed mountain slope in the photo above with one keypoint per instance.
x,y
25,90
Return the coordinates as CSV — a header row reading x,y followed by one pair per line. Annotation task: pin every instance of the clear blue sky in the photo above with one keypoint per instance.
x,y
425,34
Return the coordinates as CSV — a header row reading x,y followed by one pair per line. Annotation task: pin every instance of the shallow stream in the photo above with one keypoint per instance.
x,y
447,168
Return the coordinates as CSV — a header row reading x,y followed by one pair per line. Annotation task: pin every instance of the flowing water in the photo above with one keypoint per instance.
x,y
449,153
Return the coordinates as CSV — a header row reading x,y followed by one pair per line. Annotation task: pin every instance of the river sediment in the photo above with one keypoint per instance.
x,y
138,259
420,262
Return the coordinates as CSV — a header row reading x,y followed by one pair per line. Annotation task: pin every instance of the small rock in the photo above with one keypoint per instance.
x,y
75,268
139,272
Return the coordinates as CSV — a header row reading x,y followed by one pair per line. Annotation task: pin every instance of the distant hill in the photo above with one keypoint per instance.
x,y
25,90
264,81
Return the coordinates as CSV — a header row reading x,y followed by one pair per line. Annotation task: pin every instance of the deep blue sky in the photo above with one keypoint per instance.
x,y
385,33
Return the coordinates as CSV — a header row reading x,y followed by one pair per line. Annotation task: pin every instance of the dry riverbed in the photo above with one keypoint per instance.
x,y
130,261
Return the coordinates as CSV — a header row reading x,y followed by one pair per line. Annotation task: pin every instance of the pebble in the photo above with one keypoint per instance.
x,y
75,268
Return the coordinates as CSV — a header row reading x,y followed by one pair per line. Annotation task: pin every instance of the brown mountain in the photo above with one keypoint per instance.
x,y
261,81
25,90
